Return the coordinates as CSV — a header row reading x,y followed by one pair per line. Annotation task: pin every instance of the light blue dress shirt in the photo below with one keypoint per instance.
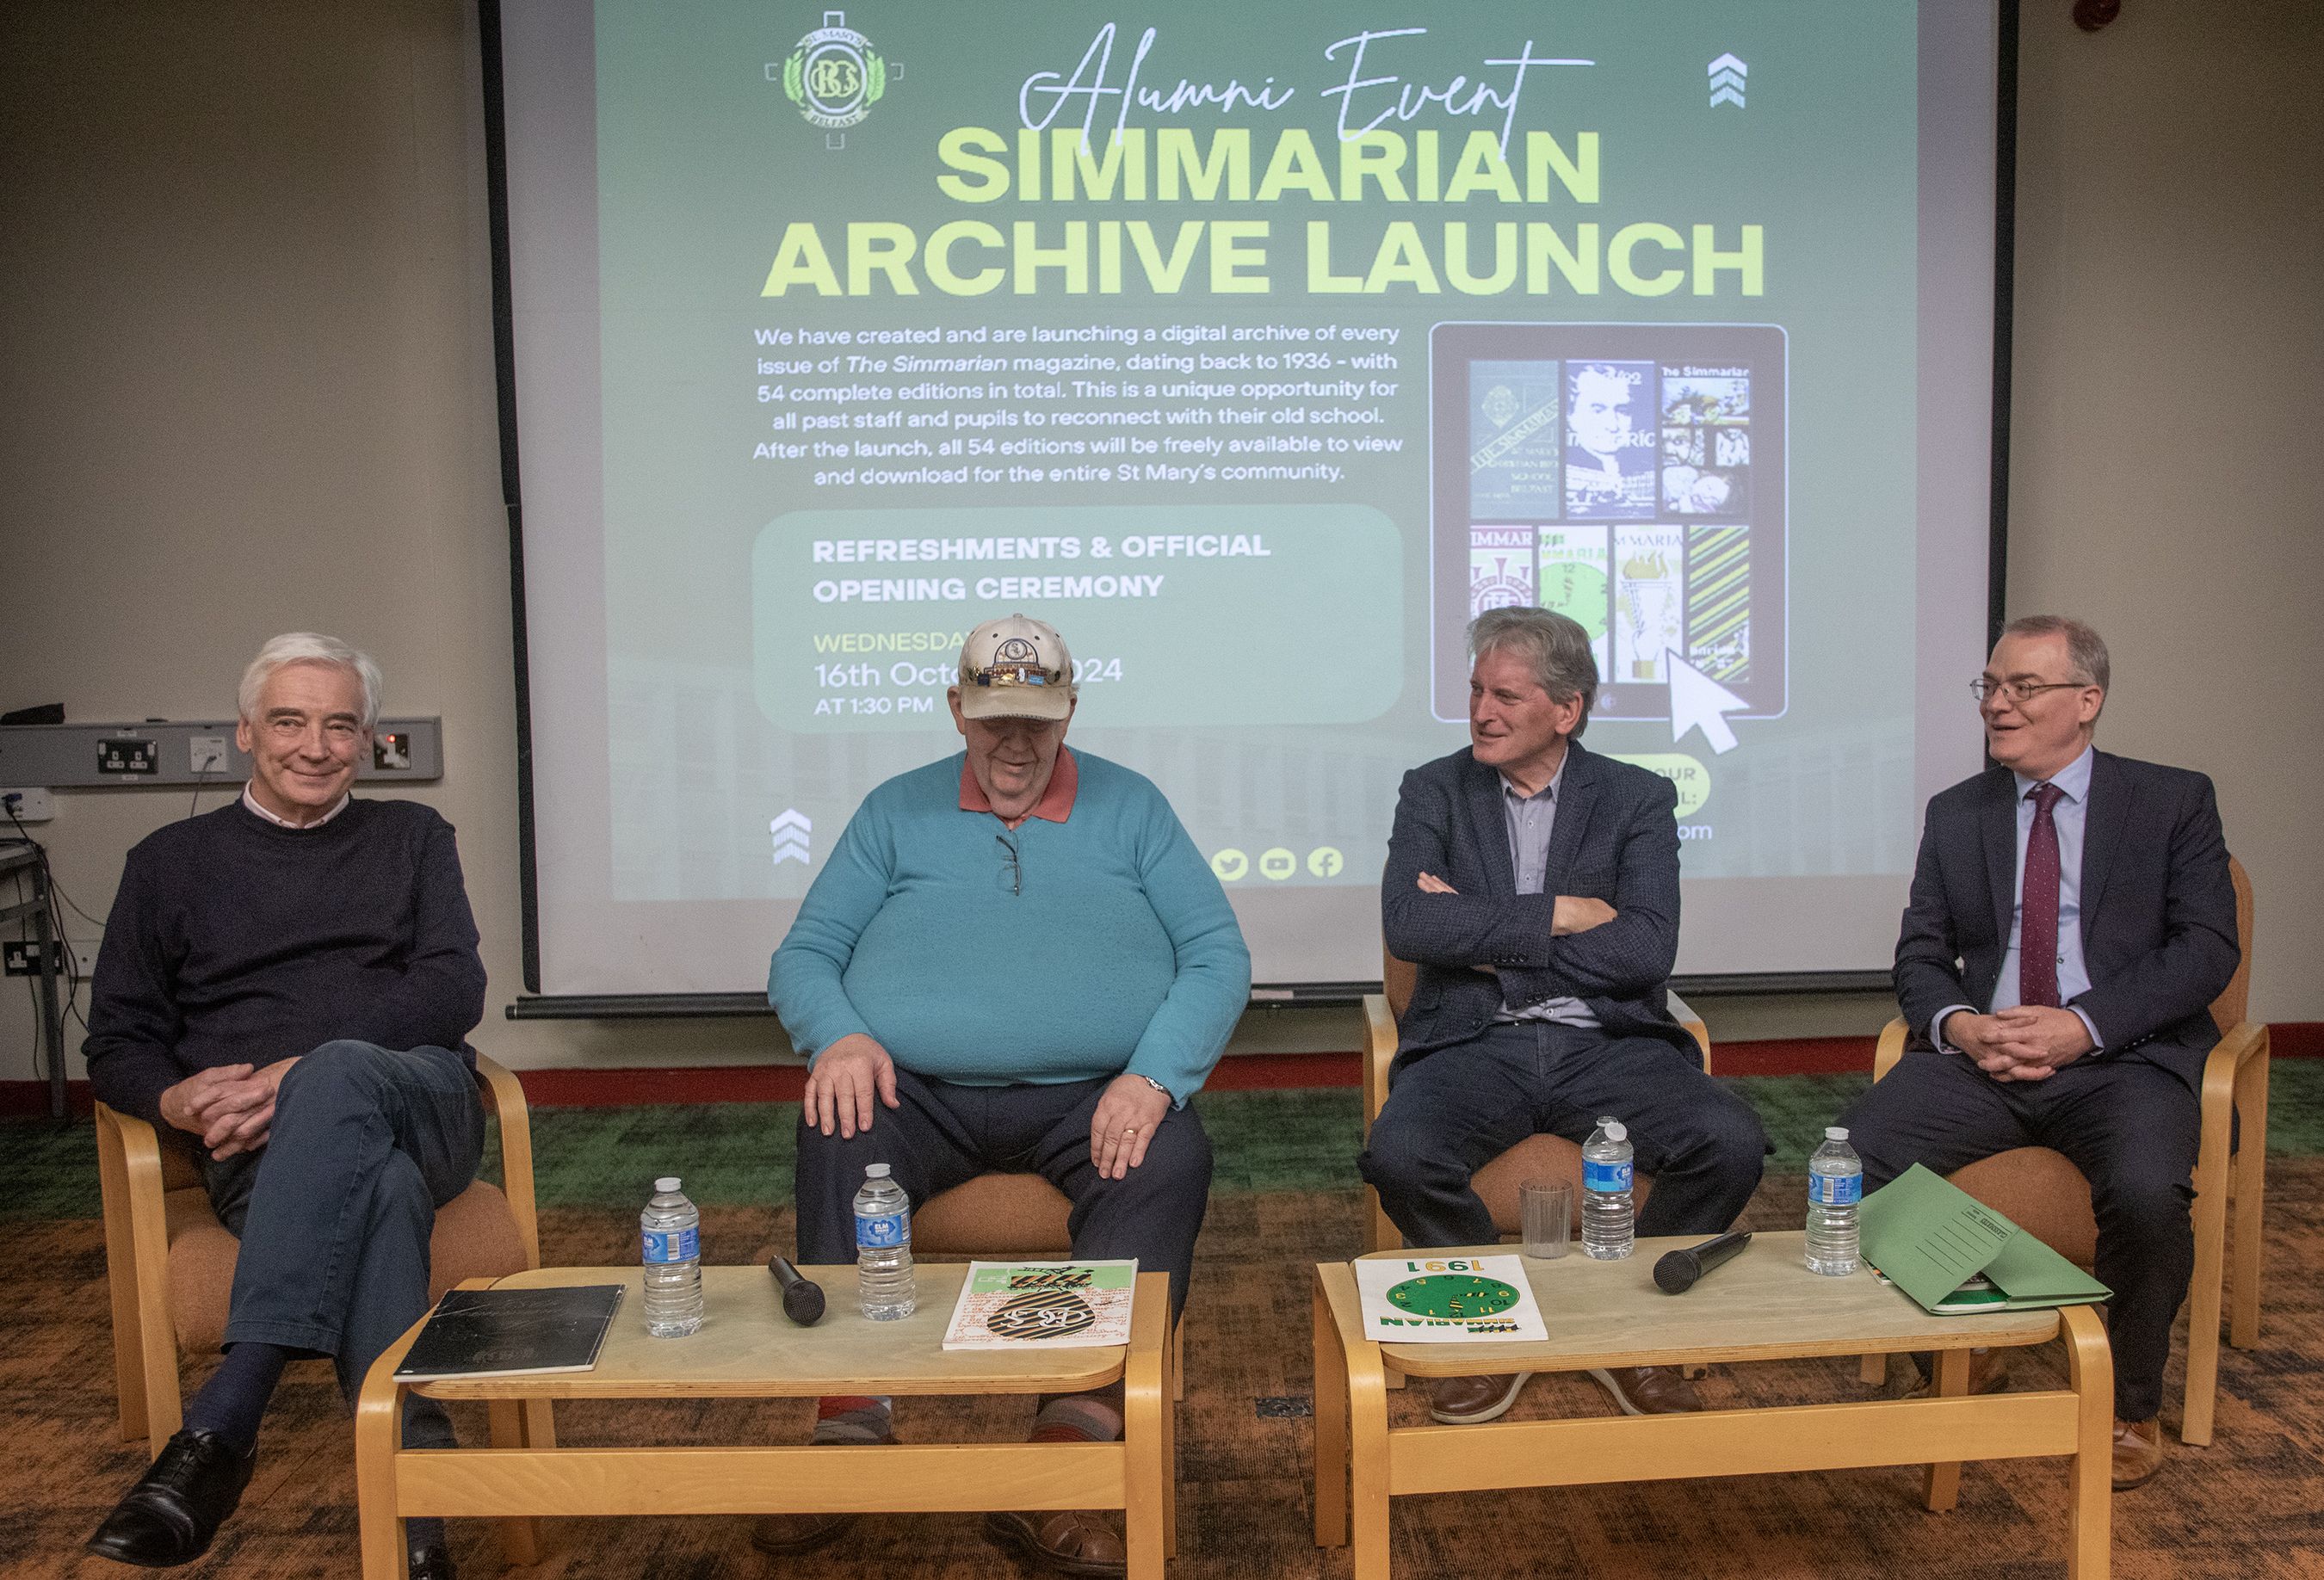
x,y
1531,819
2068,816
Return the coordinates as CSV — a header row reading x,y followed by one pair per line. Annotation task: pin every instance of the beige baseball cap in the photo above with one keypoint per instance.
x,y
1017,668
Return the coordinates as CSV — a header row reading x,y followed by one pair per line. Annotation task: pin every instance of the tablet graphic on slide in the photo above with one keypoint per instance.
x,y
1632,476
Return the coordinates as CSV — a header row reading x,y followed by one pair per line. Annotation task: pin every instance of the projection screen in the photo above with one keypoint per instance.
x,y
1258,347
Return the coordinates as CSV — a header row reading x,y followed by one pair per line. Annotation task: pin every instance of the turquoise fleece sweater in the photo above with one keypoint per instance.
x,y
1119,954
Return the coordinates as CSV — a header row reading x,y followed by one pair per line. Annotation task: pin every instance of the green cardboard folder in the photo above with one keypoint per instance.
x,y
1931,1238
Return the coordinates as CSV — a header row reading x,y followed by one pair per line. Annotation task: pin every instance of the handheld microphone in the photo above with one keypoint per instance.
x,y
802,1296
1678,1270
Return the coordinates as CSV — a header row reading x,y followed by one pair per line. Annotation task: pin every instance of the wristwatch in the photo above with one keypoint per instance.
x,y
1158,1086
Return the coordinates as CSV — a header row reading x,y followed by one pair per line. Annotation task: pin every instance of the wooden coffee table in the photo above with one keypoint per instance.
x,y
1765,1305
747,1349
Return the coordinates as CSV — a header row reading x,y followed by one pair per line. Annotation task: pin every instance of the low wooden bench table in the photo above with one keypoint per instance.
x,y
1765,1305
747,1349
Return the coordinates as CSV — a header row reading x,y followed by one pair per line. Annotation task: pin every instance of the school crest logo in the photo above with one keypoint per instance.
x,y
834,75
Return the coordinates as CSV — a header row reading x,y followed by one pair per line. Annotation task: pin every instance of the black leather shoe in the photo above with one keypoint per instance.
x,y
177,1504
431,1561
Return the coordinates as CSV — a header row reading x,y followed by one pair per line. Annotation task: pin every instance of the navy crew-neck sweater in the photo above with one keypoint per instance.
x,y
233,941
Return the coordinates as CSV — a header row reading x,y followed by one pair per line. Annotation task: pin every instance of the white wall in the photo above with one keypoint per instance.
x,y
246,385
2169,345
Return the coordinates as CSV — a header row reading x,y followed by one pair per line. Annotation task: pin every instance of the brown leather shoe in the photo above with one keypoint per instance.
x,y
2137,1451
1062,1541
1465,1401
1648,1390
1988,1372
786,1536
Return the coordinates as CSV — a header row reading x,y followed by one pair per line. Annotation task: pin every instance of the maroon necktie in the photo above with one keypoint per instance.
x,y
2037,904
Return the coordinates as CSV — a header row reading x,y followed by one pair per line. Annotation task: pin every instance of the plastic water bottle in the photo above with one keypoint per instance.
x,y
670,1230
1835,1185
1608,1229
883,1248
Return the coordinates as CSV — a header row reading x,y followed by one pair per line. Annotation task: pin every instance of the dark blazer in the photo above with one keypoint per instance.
x,y
2158,907
1616,839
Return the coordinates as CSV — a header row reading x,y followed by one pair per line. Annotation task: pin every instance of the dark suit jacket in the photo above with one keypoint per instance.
x,y
2158,907
1616,838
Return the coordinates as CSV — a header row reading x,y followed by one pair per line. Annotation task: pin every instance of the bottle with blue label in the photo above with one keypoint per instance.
x,y
670,1231
1835,1185
1608,1229
883,1248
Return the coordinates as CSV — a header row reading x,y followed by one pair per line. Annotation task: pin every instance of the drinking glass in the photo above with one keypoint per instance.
x,y
1548,1214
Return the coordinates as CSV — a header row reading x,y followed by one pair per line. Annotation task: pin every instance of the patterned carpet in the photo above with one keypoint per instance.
x,y
2250,1505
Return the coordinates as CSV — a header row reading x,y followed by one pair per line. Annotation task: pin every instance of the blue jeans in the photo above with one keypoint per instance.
x,y
335,1211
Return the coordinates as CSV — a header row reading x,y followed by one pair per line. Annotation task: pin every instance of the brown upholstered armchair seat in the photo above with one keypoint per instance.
x,y
170,1262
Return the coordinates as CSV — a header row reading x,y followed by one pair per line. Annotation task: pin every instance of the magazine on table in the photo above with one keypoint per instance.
x,y
1420,1298
1043,1305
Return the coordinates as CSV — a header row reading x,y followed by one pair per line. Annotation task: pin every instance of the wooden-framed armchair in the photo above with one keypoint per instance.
x,y
1537,1157
170,1262
2044,1194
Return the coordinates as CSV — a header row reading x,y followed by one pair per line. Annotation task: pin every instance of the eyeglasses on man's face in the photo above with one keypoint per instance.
x,y
2018,692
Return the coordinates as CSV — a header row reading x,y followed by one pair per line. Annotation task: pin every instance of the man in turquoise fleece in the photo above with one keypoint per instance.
x,y
1015,960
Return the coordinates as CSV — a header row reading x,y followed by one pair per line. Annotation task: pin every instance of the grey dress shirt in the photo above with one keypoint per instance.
x,y
1531,818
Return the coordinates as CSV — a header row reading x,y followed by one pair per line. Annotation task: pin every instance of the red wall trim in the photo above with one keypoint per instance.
x,y
781,1083
1794,1056
2296,1040
624,1088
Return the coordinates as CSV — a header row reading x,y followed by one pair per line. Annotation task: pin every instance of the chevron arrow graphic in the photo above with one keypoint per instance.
x,y
1728,77
790,833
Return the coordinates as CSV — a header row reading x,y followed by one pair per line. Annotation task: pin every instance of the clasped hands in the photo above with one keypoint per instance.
x,y
230,1106
1574,913
2026,1042
846,1075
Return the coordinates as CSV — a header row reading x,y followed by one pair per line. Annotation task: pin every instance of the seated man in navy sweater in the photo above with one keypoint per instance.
x,y
287,981
1014,960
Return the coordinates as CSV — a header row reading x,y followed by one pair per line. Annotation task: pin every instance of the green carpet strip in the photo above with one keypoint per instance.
x,y
739,1154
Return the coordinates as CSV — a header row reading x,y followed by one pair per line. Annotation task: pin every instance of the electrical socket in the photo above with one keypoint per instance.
x,y
30,805
206,754
22,957
129,754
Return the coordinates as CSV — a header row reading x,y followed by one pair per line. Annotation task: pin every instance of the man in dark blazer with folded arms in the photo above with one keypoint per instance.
x,y
1535,884
2071,919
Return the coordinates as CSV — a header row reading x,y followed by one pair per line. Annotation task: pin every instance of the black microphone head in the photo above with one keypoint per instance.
x,y
1676,1274
803,1303
802,1297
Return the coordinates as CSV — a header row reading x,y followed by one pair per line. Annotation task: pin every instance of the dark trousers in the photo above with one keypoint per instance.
x,y
1452,1111
2131,1127
943,1134
335,1211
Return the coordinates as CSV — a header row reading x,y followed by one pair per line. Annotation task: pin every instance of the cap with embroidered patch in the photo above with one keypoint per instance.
x,y
1016,668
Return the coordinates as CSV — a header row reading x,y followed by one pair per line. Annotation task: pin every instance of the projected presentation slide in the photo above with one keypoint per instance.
x,y
1258,347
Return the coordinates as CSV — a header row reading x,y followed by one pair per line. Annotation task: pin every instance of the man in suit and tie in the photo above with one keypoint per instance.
x,y
1535,884
2071,919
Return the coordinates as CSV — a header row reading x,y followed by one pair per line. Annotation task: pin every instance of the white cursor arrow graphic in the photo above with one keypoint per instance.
x,y
1698,702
